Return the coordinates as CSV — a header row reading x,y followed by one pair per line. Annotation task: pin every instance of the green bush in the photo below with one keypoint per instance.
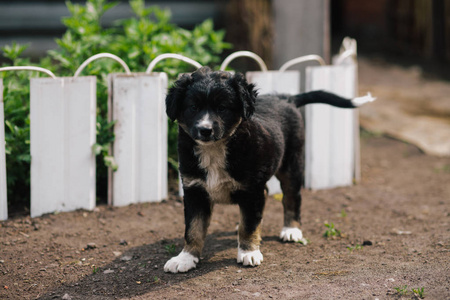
x,y
136,40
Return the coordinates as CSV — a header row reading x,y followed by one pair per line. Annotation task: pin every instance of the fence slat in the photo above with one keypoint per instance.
x,y
329,136
269,82
3,192
140,146
62,133
275,82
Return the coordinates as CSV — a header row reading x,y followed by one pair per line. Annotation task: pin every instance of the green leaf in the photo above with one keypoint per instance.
x,y
13,51
110,162
97,149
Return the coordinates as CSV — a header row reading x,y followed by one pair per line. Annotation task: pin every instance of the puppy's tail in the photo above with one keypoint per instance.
x,y
329,98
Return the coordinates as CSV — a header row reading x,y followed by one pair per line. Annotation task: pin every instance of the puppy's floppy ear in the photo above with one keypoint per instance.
x,y
201,73
246,94
176,95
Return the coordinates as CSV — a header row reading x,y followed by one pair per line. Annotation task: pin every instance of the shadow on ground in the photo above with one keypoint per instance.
x,y
141,270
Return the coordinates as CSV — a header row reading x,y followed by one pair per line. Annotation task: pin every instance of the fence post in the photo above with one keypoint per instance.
x,y
332,134
149,70
329,135
3,193
136,103
270,82
62,133
348,56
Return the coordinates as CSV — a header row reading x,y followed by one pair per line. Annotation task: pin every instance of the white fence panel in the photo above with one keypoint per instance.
x,y
3,194
270,82
330,138
275,82
140,147
62,133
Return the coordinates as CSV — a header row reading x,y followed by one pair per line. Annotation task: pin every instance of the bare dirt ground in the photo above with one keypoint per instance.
x,y
399,213
411,105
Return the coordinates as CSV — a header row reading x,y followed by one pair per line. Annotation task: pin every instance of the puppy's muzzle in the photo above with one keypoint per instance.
x,y
205,132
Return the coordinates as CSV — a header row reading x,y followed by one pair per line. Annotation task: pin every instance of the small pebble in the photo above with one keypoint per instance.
x,y
126,258
66,297
402,232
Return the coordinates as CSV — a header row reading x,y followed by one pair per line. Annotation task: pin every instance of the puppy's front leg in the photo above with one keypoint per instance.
x,y
251,208
197,215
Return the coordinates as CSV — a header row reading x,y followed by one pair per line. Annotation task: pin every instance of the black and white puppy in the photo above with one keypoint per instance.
x,y
230,143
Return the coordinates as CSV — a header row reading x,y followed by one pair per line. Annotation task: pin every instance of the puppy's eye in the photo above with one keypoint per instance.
x,y
194,107
221,108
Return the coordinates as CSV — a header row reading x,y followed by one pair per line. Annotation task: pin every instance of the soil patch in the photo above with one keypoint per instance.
x,y
394,225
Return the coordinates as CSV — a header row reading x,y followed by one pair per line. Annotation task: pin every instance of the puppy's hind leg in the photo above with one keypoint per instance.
x,y
251,206
291,183
197,214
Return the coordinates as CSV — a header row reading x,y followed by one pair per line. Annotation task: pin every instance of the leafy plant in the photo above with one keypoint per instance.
x,y
16,93
402,290
331,231
136,40
304,241
356,247
171,249
419,292
95,269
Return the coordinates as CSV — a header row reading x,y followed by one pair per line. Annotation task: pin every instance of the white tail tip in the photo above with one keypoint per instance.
x,y
358,101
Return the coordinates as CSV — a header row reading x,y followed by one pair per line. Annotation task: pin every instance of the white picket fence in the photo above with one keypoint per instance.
x,y
63,132
331,134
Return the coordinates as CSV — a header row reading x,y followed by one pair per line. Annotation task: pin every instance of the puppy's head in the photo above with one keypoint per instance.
x,y
210,105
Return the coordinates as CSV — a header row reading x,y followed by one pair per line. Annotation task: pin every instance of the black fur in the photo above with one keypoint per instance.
x,y
321,97
259,137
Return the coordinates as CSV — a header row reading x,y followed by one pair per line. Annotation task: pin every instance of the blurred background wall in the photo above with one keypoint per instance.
x,y
277,30
405,30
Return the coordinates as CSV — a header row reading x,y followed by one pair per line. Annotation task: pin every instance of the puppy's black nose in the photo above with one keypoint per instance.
x,y
205,131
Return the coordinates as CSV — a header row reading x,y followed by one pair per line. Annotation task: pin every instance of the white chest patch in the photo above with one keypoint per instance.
x,y
219,184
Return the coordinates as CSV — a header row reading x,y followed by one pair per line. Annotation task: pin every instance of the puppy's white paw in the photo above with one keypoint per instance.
x,y
291,234
249,258
181,263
